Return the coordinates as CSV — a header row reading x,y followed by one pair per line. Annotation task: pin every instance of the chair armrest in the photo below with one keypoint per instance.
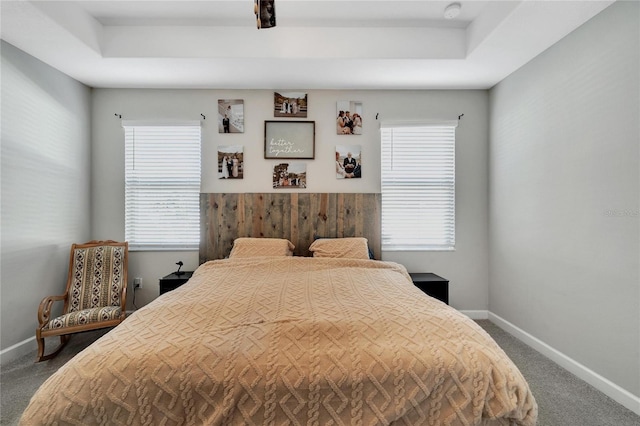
x,y
123,302
44,310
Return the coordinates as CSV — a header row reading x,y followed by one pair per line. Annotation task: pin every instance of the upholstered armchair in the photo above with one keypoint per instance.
x,y
95,296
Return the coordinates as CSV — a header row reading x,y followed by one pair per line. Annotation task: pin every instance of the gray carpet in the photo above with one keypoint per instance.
x,y
563,399
20,378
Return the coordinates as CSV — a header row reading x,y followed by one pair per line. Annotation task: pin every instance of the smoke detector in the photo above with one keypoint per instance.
x,y
452,11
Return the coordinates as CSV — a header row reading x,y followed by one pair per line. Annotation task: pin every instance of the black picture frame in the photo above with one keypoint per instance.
x,y
289,139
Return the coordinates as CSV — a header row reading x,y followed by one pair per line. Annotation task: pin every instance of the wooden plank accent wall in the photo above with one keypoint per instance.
x,y
298,217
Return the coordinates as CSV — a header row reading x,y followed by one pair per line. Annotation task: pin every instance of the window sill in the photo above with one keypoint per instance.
x,y
397,249
147,248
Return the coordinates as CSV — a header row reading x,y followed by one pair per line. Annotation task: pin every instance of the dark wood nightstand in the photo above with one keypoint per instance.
x,y
173,281
432,284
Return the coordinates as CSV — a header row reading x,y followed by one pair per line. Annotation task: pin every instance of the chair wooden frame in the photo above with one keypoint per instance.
x,y
44,310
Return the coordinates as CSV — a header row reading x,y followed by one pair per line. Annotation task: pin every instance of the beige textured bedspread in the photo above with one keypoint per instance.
x,y
290,341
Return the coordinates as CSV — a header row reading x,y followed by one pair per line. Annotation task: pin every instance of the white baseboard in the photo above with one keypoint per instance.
x,y
18,350
604,385
476,315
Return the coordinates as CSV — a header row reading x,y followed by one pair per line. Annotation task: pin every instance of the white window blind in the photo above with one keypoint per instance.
x,y
162,186
418,186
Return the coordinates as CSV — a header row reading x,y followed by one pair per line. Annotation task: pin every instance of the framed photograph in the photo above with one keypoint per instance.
x,y
230,116
290,104
289,139
230,162
348,161
265,13
290,175
349,118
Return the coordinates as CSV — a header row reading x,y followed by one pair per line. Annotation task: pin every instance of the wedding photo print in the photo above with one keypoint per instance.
x,y
230,162
290,104
349,121
230,116
348,162
265,11
290,175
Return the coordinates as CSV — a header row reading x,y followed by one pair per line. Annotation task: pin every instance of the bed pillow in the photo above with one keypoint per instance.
x,y
346,248
260,247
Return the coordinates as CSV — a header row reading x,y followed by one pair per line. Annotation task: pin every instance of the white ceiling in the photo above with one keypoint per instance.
x,y
317,44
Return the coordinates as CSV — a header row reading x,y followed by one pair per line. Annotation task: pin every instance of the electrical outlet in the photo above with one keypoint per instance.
x,y
137,283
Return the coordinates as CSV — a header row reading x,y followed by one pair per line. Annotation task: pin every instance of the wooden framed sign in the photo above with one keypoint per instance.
x,y
289,139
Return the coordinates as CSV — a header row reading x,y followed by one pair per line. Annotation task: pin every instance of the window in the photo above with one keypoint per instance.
x,y
162,186
418,186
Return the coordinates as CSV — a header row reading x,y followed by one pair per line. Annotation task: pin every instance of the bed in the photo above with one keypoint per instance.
x,y
290,340
267,337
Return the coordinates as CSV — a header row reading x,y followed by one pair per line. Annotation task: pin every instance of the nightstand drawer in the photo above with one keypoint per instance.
x,y
173,281
432,284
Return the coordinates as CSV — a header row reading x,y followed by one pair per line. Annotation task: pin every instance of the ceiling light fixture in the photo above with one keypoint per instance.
x,y
265,11
452,11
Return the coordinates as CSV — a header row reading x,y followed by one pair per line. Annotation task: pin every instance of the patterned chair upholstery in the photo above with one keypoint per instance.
x,y
95,296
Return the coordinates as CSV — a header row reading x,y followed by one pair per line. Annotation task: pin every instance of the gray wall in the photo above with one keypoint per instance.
x,y
45,186
466,267
564,196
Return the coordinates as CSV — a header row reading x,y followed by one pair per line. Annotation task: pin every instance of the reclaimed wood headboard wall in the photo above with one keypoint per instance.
x,y
298,217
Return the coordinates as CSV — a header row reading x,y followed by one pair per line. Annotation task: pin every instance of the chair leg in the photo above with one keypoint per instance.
x,y
64,339
40,341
